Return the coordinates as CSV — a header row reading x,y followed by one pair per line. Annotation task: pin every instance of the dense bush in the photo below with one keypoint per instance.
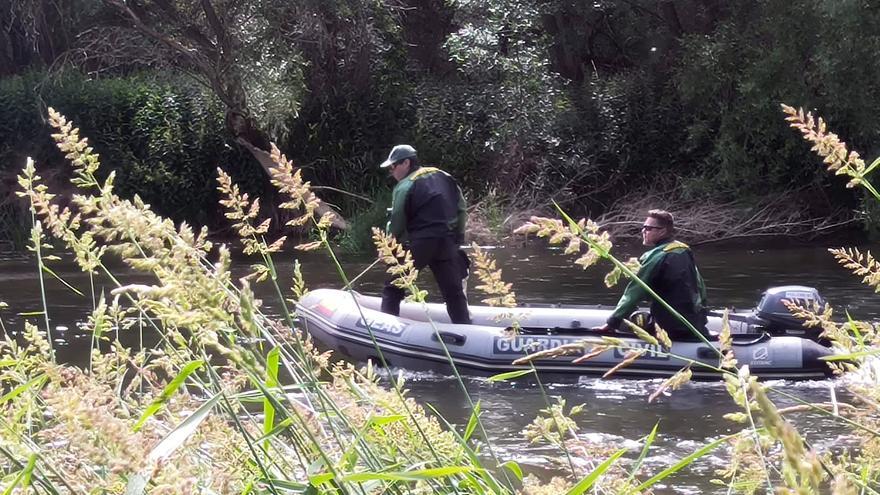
x,y
163,138
582,102
592,101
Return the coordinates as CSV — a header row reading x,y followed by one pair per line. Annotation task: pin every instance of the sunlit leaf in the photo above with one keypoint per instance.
x,y
510,375
175,438
57,277
850,356
678,466
513,467
167,393
421,474
281,426
386,420
648,441
472,422
272,360
586,483
23,477
37,382
320,479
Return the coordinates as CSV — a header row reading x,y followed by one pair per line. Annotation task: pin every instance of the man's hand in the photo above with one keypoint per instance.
x,y
606,328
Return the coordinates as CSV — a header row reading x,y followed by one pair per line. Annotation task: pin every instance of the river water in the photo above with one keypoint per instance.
x,y
616,411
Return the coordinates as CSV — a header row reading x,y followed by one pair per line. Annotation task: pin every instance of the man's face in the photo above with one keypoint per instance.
x,y
400,169
652,232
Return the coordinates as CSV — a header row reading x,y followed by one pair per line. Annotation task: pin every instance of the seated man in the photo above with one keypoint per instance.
x,y
670,271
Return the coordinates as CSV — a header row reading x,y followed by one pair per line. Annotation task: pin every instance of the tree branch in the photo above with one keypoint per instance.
x,y
168,41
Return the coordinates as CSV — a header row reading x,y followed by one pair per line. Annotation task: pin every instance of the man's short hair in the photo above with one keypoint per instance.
x,y
664,218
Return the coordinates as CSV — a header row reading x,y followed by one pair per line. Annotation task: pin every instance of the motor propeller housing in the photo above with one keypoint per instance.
x,y
772,314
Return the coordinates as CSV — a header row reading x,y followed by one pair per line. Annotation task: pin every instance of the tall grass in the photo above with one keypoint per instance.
x,y
232,400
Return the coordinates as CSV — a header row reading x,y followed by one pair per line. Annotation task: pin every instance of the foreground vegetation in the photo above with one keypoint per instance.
x,y
233,401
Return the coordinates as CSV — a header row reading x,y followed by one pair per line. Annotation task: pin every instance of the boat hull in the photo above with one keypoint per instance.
x,y
353,325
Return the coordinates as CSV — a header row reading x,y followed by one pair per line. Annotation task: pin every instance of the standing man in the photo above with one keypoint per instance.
x,y
669,270
428,216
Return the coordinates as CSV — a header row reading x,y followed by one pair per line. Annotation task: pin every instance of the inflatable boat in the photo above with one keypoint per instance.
x,y
352,324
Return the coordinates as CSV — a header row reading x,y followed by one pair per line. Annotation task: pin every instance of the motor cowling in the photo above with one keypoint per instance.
x,y
775,316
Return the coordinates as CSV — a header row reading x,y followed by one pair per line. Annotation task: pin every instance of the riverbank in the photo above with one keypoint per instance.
x,y
777,219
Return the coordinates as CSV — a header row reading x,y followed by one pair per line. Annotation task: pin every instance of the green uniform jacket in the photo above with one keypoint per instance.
x,y
427,203
670,271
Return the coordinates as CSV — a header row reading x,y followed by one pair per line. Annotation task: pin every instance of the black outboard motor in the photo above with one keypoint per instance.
x,y
775,319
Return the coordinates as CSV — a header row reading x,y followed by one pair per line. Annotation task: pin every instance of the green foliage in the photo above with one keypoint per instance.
x,y
505,115
164,137
628,92
358,237
354,108
574,100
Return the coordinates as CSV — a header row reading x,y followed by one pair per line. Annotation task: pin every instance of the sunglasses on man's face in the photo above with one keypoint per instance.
x,y
650,227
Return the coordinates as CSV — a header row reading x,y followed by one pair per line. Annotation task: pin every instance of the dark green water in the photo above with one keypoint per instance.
x,y
616,410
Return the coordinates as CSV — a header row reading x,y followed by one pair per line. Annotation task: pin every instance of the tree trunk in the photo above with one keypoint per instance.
x,y
246,133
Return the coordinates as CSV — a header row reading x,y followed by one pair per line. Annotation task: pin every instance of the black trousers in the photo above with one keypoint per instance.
x,y
449,266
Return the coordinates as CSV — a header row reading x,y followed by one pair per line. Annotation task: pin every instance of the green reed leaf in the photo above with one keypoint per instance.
x,y
648,441
386,420
287,485
167,393
586,483
23,477
678,466
258,396
37,382
272,360
181,432
871,167
57,277
853,355
281,426
484,474
418,475
514,468
320,479
174,439
855,329
472,422
510,375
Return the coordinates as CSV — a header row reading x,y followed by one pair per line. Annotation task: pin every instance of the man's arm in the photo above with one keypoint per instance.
x,y
634,292
461,225
397,221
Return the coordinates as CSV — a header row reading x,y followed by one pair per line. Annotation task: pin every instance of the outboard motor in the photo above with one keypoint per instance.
x,y
776,319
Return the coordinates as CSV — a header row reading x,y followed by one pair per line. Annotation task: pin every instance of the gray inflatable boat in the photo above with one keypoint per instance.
x,y
349,322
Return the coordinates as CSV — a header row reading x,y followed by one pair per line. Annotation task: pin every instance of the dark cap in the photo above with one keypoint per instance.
x,y
398,153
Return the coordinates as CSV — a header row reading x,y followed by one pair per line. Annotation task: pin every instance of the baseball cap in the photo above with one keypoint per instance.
x,y
398,153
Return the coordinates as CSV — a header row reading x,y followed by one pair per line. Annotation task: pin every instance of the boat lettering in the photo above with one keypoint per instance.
x,y
391,327
654,351
526,344
761,357
799,295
